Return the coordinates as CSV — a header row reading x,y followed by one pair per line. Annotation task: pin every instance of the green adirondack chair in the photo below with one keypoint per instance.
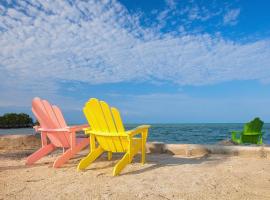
x,y
252,133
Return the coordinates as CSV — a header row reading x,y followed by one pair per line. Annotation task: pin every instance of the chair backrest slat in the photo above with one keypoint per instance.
x,y
50,117
59,116
105,119
108,117
254,126
96,107
90,118
40,112
117,120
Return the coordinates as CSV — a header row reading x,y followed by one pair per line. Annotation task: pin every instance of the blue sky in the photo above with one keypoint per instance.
x,y
156,60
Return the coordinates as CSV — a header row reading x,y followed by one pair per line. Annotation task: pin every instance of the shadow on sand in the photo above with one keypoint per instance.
x,y
154,161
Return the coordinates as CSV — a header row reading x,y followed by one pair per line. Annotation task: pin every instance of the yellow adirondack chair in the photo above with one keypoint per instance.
x,y
108,132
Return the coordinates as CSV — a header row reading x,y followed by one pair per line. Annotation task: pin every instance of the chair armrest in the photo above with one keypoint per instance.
x,y
36,128
87,131
54,130
236,132
130,133
68,128
100,133
234,136
138,130
79,127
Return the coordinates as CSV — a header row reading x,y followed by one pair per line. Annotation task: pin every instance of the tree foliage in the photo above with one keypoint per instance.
x,y
14,120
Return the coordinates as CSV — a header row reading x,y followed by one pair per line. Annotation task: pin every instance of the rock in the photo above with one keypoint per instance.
x,y
155,147
177,149
197,150
19,142
226,143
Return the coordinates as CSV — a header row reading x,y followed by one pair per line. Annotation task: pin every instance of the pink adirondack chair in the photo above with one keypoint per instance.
x,y
53,127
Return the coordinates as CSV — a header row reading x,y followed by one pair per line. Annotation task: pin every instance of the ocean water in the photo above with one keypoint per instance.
x,y
200,133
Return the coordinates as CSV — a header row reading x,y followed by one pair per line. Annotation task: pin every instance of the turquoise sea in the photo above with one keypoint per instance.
x,y
199,133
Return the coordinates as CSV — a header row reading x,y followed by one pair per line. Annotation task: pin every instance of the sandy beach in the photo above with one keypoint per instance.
x,y
163,177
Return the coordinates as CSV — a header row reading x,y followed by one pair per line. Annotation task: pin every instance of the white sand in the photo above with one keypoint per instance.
x,y
163,177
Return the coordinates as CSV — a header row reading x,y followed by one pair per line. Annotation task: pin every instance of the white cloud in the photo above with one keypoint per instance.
x,y
100,42
171,3
230,18
185,14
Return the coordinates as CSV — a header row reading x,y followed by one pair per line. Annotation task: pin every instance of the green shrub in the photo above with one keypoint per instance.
x,y
14,120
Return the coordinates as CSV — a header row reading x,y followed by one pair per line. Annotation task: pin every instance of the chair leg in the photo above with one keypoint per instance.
x,y
82,144
92,156
259,141
63,158
143,154
70,153
143,147
109,155
121,164
43,151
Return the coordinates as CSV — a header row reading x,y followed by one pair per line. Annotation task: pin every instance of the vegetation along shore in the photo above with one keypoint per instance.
x,y
14,120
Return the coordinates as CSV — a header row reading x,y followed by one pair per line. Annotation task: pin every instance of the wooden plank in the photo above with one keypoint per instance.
x,y
59,116
98,113
117,120
110,122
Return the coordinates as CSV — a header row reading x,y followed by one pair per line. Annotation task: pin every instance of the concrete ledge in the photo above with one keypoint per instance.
x,y
250,151
189,150
186,149
19,142
32,142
